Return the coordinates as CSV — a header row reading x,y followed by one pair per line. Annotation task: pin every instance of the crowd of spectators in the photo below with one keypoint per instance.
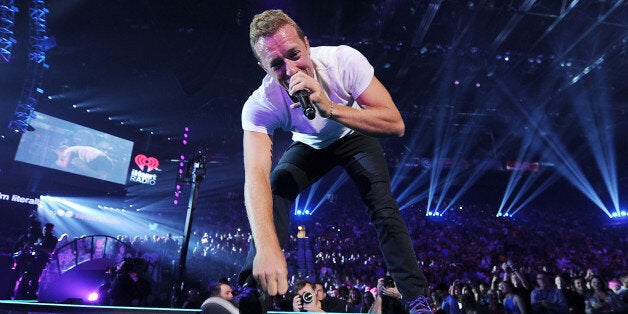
x,y
469,246
466,252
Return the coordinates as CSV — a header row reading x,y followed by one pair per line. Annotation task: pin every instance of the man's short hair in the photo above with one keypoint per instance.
x,y
577,278
267,23
214,290
301,283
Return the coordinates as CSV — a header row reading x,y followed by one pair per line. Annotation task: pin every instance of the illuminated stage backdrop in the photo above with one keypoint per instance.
x,y
78,216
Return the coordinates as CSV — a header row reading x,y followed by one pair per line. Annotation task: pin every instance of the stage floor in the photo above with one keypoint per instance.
x,y
32,306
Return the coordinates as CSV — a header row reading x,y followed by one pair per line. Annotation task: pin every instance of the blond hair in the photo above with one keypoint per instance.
x,y
267,23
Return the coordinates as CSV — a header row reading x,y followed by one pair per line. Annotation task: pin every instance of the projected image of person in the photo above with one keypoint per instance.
x,y
80,154
73,148
86,160
346,107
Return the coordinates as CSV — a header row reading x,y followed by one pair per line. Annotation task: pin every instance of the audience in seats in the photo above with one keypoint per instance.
x,y
603,300
547,298
474,247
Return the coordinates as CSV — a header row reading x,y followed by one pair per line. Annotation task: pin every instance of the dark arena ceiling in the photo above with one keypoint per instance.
x,y
478,82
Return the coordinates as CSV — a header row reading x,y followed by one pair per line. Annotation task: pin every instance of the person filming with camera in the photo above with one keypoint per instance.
x,y
305,299
388,299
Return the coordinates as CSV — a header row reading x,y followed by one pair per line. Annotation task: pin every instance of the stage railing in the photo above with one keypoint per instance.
x,y
88,248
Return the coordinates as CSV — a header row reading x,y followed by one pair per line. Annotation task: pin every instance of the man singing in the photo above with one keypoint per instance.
x,y
353,107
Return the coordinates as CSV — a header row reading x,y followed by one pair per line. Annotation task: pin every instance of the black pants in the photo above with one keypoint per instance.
x,y
363,160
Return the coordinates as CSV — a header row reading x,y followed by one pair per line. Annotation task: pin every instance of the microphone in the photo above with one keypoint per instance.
x,y
306,104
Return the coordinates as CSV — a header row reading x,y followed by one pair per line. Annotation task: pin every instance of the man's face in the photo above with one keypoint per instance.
x,y
320,292
578,284
283,54
49,230
226,292
541,280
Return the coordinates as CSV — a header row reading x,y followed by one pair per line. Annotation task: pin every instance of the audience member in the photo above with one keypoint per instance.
x,y
512,303
221,289
355,302
575,302
31,255
546,298
219,301
328,303
450,303
623,291
305,299
388,299
129,288
603,300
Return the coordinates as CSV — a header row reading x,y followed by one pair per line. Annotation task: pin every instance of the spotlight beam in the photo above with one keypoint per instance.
x,y
544,185
570,169
597,123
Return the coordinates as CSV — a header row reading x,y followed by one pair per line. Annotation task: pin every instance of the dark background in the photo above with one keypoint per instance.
x,y
160,66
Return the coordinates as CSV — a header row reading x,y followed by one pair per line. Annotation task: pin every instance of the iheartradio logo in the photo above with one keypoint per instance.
x,y
151,163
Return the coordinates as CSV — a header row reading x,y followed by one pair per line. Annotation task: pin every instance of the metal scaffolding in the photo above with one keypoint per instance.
x,y
31,89
7,21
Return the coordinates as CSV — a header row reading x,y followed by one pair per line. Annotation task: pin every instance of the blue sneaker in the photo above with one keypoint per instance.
x,y
420,305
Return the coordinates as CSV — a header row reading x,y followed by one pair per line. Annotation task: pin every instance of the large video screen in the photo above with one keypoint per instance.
x,y
66,146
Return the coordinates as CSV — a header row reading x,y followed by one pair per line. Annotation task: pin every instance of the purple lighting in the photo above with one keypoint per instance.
x,y
456,82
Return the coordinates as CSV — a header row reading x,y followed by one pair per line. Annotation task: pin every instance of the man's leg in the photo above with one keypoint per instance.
x,y
364,161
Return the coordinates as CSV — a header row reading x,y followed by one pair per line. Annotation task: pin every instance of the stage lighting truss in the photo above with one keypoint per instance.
x,y
21,118
31,89
7,21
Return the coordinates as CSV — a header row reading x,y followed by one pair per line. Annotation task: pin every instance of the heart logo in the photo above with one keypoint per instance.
x,y
151,163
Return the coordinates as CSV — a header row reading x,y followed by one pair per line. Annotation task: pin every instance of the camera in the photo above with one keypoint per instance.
x,y
307,297
389,282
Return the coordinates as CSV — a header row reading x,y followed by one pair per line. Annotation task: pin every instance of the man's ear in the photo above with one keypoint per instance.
x,y
307,43
261,66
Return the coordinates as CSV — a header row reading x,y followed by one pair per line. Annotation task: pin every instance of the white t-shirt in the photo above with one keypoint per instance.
x,y
343,72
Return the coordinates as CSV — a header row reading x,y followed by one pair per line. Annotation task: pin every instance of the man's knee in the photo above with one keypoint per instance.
x,y
285,181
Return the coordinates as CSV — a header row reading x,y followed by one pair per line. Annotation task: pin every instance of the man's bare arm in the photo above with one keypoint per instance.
x,y
269,266
378,117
